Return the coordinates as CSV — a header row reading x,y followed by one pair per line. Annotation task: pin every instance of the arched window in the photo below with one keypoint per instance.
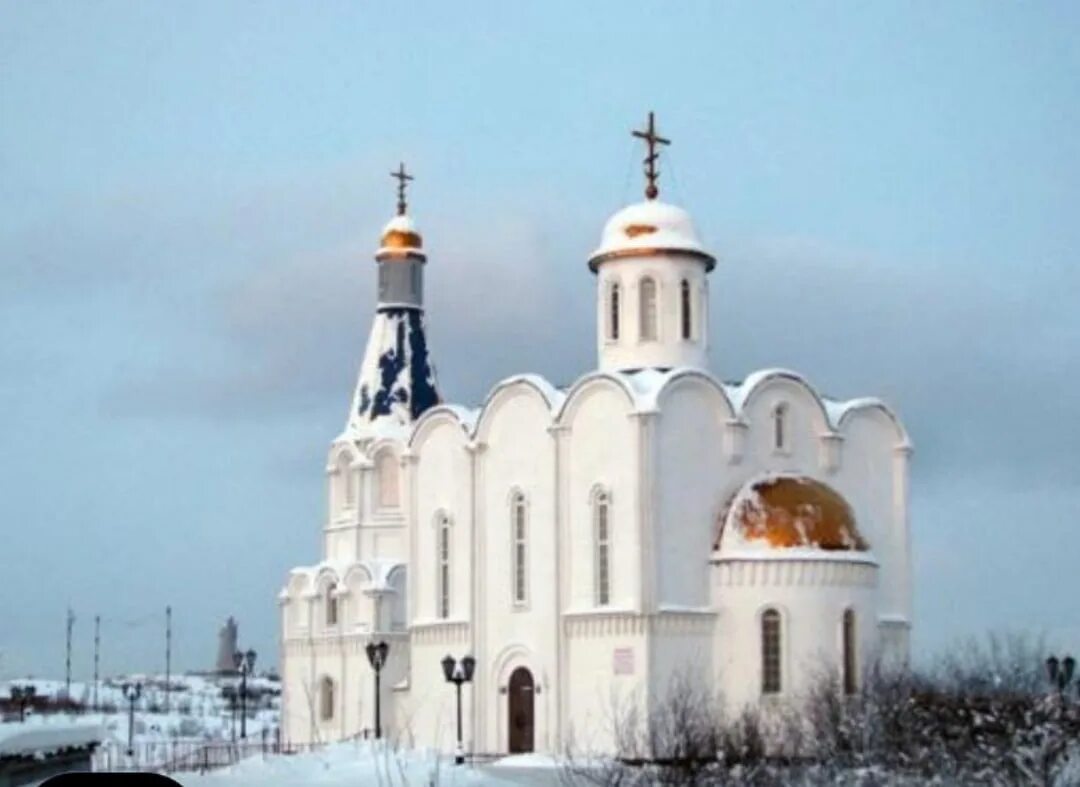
x,y
613,312
326,699
602,547
648,310
849,666
684,303
519,558
780,427
331,606
443,567
770,652
387,471
347,480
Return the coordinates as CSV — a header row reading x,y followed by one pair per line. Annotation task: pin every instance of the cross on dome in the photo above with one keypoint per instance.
x,y
652,140
402,178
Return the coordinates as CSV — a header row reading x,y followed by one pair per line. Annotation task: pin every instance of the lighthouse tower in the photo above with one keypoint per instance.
x,y
397,381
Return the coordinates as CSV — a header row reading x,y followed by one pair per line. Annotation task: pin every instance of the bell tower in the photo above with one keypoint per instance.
x,y
651,273
397,380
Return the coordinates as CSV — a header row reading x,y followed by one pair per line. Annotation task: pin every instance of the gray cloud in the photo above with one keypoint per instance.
x,y
961,360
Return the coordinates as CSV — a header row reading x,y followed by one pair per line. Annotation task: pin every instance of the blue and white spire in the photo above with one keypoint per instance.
x,y
397,381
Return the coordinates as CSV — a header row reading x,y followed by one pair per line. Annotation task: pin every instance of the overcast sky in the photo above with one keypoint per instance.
x,y
190,194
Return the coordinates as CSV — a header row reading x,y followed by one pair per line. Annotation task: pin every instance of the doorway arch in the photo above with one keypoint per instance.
x,y
521,713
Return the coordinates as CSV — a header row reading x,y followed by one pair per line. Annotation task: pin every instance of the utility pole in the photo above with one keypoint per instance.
x,y
168,653
67,667
97,654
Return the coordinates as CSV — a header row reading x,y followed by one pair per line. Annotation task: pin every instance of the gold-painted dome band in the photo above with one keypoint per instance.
x,y
708,259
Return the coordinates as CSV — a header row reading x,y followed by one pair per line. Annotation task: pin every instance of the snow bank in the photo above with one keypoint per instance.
x,y
357,763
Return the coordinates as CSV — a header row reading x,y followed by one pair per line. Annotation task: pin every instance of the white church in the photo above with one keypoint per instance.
x,y
587,544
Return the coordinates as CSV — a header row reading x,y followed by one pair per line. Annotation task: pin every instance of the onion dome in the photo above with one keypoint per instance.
x,y
780,512
649,229
400,240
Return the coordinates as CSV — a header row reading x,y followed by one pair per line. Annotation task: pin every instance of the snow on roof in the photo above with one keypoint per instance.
x,y
400,223
644,387
396,383
21,740
650,226
788,516
379,569
553,395
467,416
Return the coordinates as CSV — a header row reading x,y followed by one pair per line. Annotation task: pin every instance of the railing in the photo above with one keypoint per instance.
x,y
177,756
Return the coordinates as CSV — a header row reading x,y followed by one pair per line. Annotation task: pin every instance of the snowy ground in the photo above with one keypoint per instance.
x,y
198,712
370,763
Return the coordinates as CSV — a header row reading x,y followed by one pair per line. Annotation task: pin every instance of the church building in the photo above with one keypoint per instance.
x,y
586,545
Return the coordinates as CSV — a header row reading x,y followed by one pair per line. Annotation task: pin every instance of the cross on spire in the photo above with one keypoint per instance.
x,y
652,139
402,178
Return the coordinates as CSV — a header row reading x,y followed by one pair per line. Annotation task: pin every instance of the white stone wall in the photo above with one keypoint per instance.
x,y
669,349
670,451
811,597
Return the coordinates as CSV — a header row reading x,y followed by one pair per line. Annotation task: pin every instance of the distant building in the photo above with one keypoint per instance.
x,y
227,638
587,543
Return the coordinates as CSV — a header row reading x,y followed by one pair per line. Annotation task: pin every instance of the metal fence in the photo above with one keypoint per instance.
x,y
177,756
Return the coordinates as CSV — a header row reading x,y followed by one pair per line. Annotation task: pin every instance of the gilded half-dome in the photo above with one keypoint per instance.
x,y
790,511
400,239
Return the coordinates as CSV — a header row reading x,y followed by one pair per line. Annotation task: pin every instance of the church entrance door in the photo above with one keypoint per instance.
x,y
522,711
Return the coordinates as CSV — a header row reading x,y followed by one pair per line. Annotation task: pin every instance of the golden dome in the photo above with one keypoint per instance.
x,y
401,239
791,511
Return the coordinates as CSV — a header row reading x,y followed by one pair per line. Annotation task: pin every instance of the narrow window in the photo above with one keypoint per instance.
x,y
603,550
384,281
387,470
326,699
613,315
849,652
331,607
416,280
770,652
444,567
520,554
780,427
347,479
648,310
684,294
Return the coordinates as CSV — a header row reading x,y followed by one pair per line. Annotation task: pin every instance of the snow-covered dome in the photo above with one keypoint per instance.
x,y
650,227
780,511
400,239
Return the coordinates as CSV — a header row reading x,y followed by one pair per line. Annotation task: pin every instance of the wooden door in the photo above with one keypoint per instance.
x,y
522,714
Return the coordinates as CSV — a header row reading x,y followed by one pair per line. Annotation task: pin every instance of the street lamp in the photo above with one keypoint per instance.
x,y
376,655
459,673
1060,672
23,696
132,692
245,664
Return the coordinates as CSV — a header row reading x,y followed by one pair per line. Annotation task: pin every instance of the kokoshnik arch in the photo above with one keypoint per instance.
x,y
587,543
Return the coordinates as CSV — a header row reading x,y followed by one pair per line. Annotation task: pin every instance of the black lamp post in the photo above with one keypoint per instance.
x,y
23,696
245,665
459,673
1060,672
132,692
376,655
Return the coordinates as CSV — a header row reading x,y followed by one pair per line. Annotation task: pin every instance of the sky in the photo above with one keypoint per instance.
x,y
190,195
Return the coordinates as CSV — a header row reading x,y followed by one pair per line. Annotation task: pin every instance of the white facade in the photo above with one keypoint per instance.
x,y
588,544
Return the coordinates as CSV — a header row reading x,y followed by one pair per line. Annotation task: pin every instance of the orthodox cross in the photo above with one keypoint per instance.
x,y
402,178
652,139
